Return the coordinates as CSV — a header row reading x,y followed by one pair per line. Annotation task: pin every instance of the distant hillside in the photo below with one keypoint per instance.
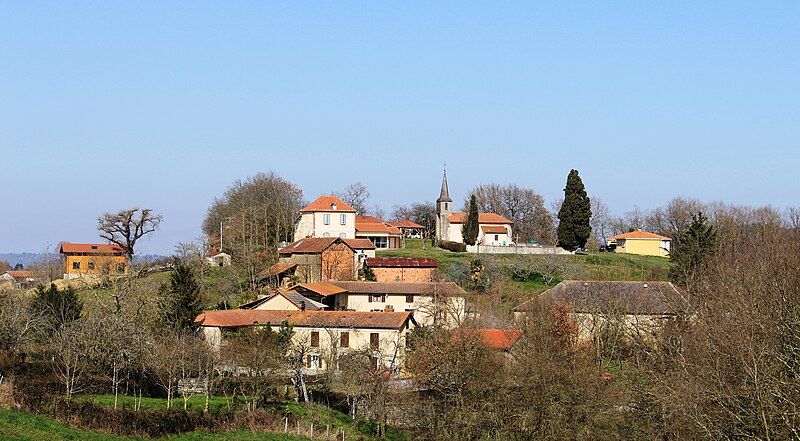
x,y
26,259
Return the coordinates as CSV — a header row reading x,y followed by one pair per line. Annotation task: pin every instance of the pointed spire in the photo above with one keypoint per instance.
x,y
444,195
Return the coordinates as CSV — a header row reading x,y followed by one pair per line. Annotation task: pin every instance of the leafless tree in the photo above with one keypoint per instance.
x,y
126,227
19,323
356,195
522,205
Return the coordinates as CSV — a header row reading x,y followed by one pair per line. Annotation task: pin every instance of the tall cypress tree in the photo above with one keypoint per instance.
x,y
692,250
180,300
574,215
471,226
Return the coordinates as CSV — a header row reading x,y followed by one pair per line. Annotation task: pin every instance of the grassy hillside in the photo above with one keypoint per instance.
x,y
18,426
593,266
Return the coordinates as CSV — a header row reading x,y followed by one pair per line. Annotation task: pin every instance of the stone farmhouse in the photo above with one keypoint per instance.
x,y
641,308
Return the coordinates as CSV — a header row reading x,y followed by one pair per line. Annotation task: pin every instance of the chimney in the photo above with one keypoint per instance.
x,y
388,308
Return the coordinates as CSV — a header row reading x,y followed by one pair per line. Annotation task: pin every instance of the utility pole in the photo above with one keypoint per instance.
x,y
220,236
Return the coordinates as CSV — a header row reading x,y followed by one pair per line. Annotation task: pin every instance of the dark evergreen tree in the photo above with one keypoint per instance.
x,y
180,300
574,215
692,250
57,307
470,230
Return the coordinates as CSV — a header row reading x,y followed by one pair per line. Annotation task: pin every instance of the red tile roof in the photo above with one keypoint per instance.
x,y
494,229
406,224
360,244
460,217
639,234
305,319
91,248
309,245
371,224
401,262
500,339
19,274
326,203
277,269
321,288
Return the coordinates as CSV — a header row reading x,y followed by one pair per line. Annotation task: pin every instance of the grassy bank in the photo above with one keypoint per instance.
x,y
18,426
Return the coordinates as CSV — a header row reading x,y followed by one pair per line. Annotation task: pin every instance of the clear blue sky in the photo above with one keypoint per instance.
x,y
163,104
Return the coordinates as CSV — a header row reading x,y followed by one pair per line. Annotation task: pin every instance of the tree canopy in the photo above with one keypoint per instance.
x,y
575,213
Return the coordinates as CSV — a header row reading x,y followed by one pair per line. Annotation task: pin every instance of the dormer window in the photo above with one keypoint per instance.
x,y
333,206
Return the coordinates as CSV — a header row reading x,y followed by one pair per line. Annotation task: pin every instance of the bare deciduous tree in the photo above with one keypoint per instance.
x,y
126,227
356,195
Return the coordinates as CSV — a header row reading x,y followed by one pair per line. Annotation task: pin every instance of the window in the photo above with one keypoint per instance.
x,y
314,339
120,268
90,265
380,242
377,298
445,205
374,340
343,219
344,340
326,218
409,298
76,265
496,237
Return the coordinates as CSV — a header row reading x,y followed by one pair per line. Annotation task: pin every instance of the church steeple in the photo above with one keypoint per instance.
x,y
444,195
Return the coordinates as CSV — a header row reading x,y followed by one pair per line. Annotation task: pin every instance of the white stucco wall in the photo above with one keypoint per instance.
x,y
313,225
451,309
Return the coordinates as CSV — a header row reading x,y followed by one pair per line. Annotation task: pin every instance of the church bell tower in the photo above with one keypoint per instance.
x,y
444,207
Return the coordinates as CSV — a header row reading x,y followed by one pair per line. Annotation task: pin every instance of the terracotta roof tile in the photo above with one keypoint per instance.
x,y
406,224
19,274
321,288
304,319
360,244
401,262
326,203
494,229
371,224
309,245
91,248
639,234
277,269
460,217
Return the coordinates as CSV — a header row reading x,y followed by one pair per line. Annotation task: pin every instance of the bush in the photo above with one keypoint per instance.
x,y
456,247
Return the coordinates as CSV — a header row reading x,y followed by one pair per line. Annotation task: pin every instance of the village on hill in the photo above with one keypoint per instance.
x,y
325,302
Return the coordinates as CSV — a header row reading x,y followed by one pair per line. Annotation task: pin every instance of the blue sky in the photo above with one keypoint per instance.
x,y
163,104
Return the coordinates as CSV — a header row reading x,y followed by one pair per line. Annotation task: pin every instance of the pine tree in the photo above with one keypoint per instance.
x,y
57,307
180,300
691,251
574,215
471,226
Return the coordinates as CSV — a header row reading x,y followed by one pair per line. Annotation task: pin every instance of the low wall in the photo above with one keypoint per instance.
x,y
514,249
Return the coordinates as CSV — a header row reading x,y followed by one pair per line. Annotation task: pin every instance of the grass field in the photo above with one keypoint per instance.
x,y
593,266
196,403
23,426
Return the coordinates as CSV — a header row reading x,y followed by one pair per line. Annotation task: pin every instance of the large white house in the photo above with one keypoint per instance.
x,y
494,229
327,216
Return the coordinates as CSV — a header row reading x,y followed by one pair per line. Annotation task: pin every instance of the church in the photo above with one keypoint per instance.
x,y
495,230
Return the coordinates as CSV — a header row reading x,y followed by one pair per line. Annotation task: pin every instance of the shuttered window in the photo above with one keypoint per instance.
x,y
409,298
344,341
314,339
308,361
374,340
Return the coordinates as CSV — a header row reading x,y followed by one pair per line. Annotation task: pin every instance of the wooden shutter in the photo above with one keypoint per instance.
x,y
409,298
345,340
314,339
374,340
308,361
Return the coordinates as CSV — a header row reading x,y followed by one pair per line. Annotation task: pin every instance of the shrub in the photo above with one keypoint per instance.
x,y
456,247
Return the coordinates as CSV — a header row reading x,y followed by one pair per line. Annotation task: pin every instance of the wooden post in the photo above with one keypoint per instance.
x,y
286,424
312,429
